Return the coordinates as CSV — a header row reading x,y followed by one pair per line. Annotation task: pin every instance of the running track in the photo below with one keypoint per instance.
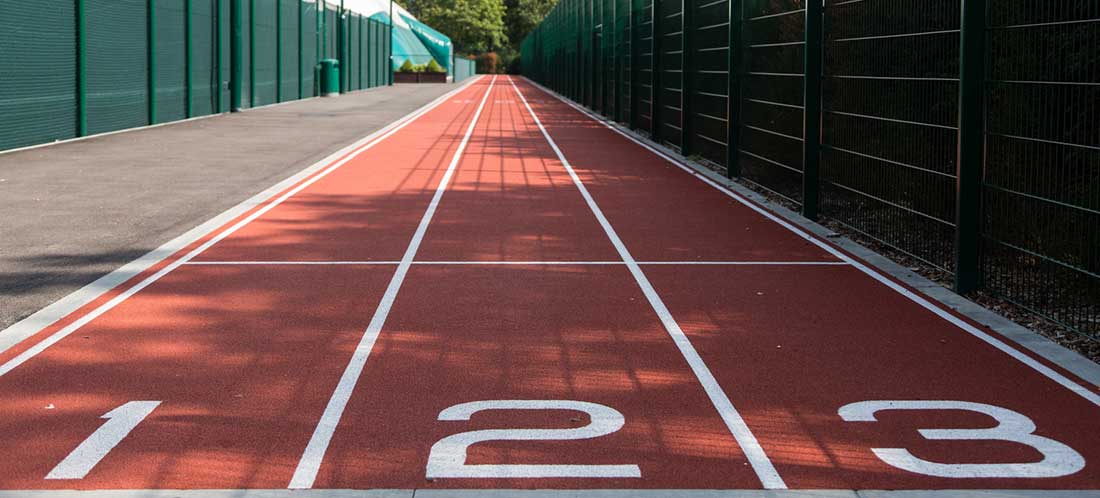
x,y
483,299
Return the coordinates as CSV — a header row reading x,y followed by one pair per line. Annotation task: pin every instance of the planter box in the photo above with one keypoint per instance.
x,y
419,77
432,78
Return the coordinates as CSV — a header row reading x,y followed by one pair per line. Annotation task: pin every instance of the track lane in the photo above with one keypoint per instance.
x,y
233,354
469,333
824,336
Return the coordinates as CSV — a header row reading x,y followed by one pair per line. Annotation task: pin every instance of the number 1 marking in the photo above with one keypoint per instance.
x,y
120,422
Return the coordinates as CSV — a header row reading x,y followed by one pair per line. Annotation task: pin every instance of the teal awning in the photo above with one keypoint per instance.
x,y
438,44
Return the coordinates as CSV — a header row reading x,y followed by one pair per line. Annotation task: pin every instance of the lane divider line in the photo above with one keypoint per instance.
x,y
310,464
754,451
28,327
523,263
1004,347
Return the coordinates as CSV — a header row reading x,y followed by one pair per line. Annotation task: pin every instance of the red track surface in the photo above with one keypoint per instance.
x,y
244,358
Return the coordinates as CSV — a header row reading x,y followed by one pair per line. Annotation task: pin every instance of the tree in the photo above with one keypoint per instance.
x,y
523,15
472,25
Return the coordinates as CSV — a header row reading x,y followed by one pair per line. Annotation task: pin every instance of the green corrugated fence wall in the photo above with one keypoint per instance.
x,y
462,68
965,135
94,66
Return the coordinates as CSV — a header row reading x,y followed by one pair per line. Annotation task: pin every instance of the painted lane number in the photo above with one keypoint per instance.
x,y
448,456
120,422
1058,459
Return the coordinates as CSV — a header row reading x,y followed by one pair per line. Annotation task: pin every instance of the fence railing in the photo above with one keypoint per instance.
x,y
963,133
83,67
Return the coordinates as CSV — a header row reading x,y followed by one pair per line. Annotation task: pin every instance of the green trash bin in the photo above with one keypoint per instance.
x,y
330,77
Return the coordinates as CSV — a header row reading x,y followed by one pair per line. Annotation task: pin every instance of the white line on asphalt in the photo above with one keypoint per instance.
x,y
737,426
1004,347
310,463
28,327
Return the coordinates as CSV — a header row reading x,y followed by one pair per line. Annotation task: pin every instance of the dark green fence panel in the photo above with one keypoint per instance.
x,y
892,74
37,64
670,93
141,67
309,49
248,43
330,31
707,139
1041,234
288,55
362,48
117,71
353,52
225,57
264,57
772,98
737,83
171,61
204,57
644,22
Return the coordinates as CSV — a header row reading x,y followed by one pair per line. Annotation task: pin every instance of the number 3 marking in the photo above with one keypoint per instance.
x,y
448,456
1058,459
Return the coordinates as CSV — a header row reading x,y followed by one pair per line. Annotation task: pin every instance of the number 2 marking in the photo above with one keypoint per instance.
x,y
448,455
1058,459
120,422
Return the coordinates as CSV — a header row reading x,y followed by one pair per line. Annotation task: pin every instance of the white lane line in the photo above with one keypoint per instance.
x,y
31,325
310,463
523,263
754,452
1004,347
288,263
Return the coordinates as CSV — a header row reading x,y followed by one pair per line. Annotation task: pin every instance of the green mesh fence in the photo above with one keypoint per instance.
x,y
309,49
117,70
1000,189
288,54
171,62
264,52
246,54
37,64
157,61
204,57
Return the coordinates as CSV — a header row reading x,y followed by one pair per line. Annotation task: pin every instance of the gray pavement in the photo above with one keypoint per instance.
x,y
72,212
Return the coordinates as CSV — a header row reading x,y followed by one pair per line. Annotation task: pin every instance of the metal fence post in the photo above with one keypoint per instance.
x,y
251,53
635,67
236,52
218,57
187,55
811,114
687,76
81,70
151,56
341,48
655,80
733,88
971,146
278,50
301,60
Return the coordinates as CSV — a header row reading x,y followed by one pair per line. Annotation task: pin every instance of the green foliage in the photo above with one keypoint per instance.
x,y
472,25
407,67
434,67
522,16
